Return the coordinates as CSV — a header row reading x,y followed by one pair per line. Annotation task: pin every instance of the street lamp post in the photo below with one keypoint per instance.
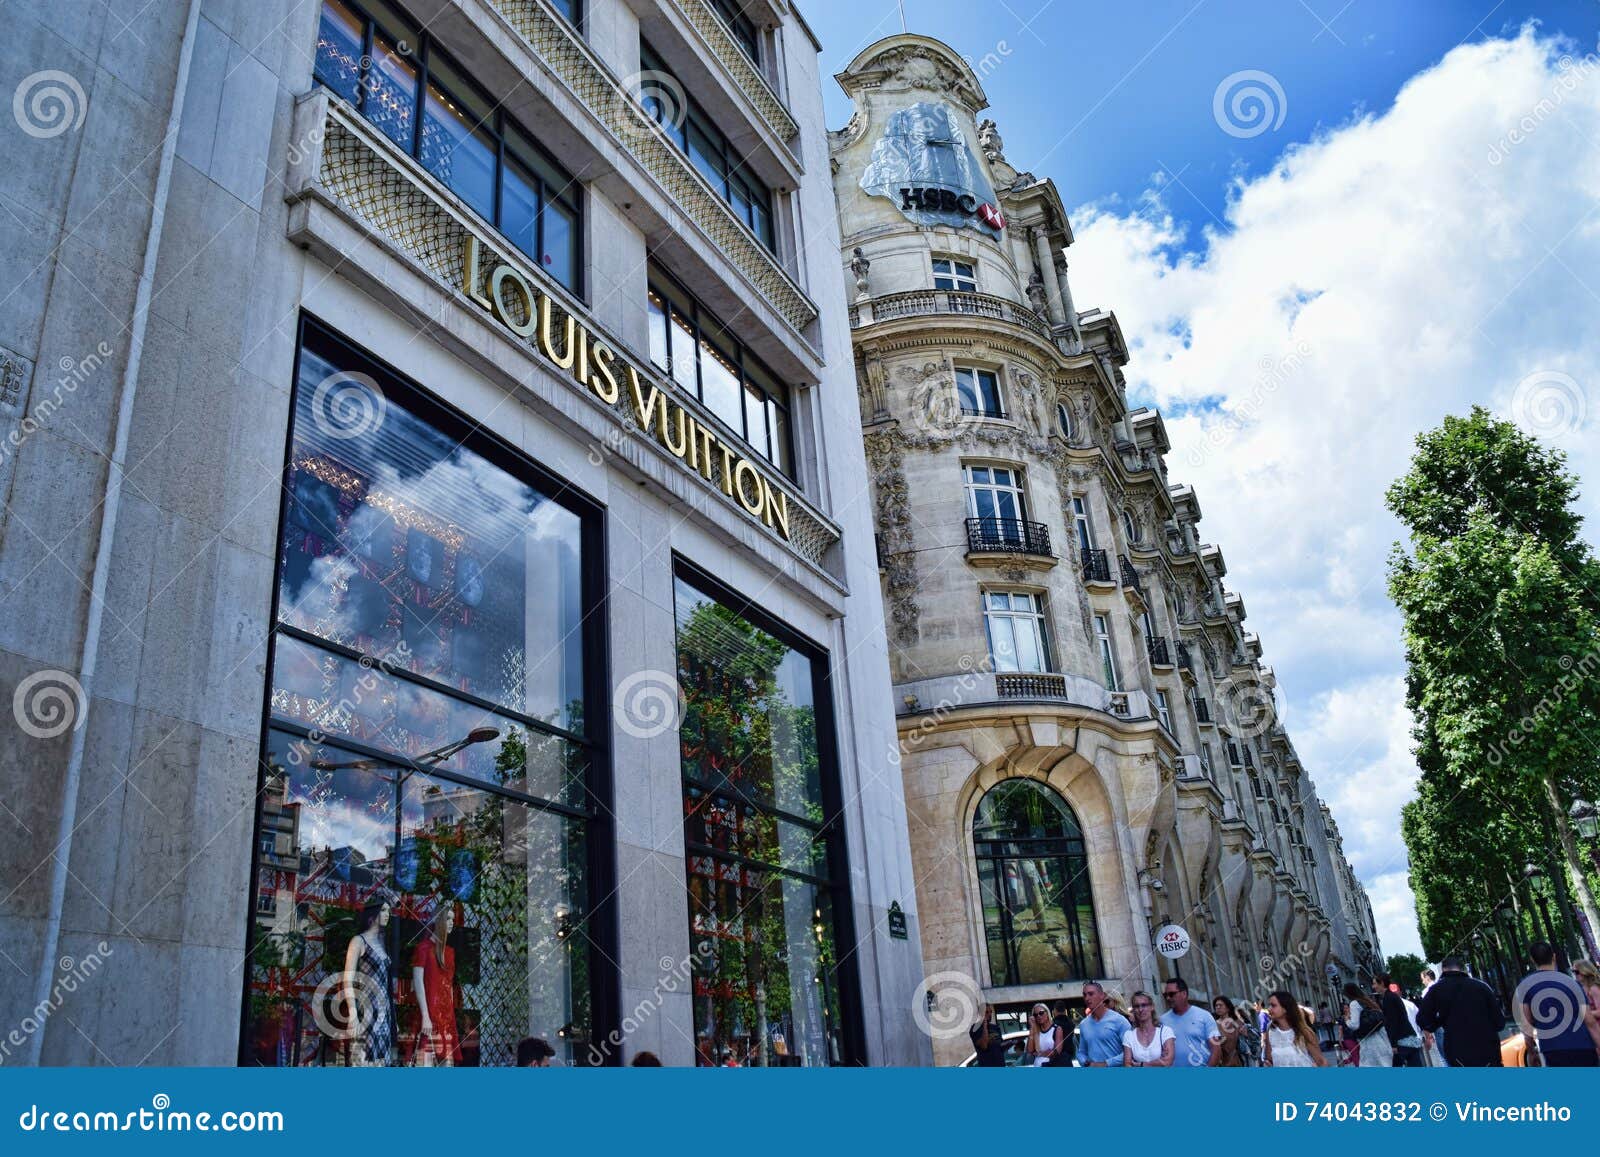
x,y
1533,873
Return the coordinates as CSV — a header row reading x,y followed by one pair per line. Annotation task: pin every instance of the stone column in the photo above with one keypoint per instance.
x,y
1066,298
1041,248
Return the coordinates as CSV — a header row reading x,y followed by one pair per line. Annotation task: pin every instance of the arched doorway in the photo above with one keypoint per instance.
x,y
1033,875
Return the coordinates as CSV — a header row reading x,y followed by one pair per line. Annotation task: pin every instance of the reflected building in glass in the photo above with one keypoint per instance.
x,y
462,580
1089,741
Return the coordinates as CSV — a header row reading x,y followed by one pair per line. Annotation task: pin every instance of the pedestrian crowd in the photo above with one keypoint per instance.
x,y
1456,1020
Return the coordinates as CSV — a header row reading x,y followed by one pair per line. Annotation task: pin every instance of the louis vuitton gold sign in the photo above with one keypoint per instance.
x,y
537,318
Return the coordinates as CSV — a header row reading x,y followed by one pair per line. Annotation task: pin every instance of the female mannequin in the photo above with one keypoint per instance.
x,y
433,979
367,1000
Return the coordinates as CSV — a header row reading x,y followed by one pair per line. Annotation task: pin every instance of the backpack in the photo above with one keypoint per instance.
x,y
1371,1021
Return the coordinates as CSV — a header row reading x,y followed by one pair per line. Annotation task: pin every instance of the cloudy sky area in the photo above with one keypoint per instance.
x,y
1303,301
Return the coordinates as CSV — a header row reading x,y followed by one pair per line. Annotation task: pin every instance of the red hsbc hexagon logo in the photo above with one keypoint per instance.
x,y
990,216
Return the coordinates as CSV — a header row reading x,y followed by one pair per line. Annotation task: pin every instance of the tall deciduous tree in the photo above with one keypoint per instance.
x,y
1498,598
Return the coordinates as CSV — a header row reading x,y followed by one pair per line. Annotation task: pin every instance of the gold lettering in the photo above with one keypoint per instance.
x,y
727,470
706,440
679,448
582,372
603,356
776,512
643,412
497,281
546,309
694,444
740,469
469,273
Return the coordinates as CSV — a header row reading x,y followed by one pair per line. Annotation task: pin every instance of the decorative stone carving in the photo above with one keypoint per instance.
x,y
893,508
859,266
989,141
1036,293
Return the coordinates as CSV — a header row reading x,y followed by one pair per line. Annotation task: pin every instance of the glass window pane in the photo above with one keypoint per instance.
x,y
705,151
519,207
761,222
967,390
658,330
379,874
719,382
560,256
778,419
404,545
339,39
390,98
458,147
684,358
755,422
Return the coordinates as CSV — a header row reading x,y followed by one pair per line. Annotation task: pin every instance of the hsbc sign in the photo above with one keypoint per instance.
x,y
925,165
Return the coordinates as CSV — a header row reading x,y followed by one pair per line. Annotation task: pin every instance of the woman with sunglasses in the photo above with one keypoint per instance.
x,y
1149,1043
1044,1038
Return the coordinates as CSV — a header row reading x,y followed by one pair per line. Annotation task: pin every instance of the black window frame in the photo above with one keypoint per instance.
x,y
601,918
742,356
978,373
833,828
733,166
570,196
743,30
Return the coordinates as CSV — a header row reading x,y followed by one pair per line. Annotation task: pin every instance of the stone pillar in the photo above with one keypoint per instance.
x,y
1041,248
1066,299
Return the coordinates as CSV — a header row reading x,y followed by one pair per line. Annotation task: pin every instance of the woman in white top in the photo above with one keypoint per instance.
x,y
1289,1042
1044,1038
1149,1043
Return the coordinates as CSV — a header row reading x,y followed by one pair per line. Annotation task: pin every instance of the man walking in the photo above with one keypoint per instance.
x,y
1469,1013
1555,1011
1199,1041
1100,1031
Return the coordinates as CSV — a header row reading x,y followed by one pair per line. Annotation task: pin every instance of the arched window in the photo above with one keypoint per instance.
x,y
1038,915
1064,420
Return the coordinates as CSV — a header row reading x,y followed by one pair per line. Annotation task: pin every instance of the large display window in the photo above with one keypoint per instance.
x,y
774,977
425,866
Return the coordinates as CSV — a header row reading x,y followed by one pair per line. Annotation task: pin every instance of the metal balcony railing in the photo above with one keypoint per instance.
x,y
1185,660
1130,577
1008,536
1029,685
923,302
1096,568
1202,711
1159,655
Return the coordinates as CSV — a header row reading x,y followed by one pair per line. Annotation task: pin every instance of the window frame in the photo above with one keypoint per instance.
x,y
1108,652
978,374
1082,526
733,167
1037,615
958,282
600,912
745,32
705,326
1065,427
570,197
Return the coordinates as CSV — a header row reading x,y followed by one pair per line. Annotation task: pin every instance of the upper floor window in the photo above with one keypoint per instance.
x,y
412,92
1108,657
949,273
979,391
1163,710
1080,525
995,492
1064,425
1018,640
688,343
709,150
742,28
1130,527
571,9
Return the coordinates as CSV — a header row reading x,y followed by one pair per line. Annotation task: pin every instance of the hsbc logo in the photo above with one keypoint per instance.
x,y
949,201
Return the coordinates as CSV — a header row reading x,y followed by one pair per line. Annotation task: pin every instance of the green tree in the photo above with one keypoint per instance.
x,y
1502,635
1405,969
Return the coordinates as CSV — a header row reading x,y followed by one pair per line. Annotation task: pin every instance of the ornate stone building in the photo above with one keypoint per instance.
x,y
1089,740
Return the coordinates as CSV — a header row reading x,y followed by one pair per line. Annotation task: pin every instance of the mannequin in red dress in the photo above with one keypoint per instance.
x,y
433,979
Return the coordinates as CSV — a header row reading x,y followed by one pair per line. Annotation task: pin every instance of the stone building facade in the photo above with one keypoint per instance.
x,y
1089,740
435,584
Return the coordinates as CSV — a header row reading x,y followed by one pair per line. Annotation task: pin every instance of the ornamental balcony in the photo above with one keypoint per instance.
x,y
1202,711
931,302
1160,656
740,68
976,688
1130,576
1002,541
1096,568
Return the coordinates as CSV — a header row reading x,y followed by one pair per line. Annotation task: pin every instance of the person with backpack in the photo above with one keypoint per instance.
x,y
1363,1021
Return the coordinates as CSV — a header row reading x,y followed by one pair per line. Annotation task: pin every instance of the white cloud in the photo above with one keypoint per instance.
x,y
1395,269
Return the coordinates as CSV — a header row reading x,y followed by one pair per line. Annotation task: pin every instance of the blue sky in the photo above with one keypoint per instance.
x,y
1419,233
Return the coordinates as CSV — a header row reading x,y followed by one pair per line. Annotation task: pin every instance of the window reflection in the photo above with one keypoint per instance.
x,y
761,907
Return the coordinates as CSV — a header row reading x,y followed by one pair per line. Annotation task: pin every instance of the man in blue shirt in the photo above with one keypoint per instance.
x,y
1100,1031
1556,1010
1199,1043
